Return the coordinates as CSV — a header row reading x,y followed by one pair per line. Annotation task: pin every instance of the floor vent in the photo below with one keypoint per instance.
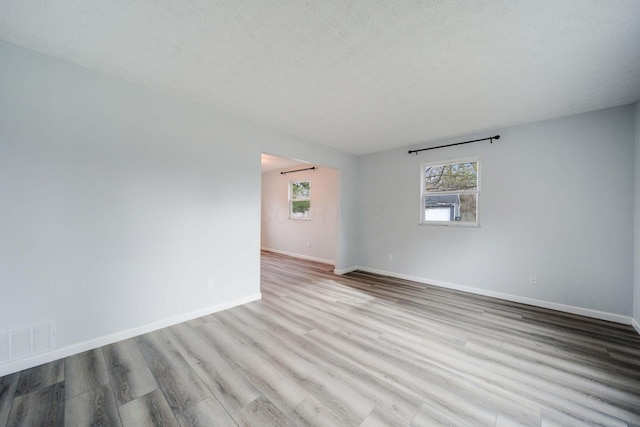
x,y
27,341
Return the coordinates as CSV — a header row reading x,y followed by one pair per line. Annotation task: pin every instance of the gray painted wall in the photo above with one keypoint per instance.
x,y
120,203
556,201
636,275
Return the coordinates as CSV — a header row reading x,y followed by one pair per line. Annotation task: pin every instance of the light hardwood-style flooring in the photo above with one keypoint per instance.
x,y
354,350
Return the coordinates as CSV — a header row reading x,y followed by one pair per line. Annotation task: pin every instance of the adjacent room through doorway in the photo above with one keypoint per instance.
x,y
299,215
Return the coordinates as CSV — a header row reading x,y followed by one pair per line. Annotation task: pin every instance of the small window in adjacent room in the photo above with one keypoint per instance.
x,y
300,200
450,192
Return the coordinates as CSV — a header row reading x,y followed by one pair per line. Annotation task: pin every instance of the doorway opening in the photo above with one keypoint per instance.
x,y
299,209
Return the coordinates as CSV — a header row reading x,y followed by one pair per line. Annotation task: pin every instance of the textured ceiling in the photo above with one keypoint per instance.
x,y
273,163
362,76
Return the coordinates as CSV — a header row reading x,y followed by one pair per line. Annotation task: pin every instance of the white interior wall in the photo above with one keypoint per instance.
x,y
314,238
636,275
556,201
119,204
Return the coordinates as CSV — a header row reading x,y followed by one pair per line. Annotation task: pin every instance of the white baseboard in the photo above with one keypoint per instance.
x,y
295,255
19,365
596,314
635,324
346,270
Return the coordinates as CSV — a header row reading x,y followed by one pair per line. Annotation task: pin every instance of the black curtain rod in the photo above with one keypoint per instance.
x,y
298,170
457,143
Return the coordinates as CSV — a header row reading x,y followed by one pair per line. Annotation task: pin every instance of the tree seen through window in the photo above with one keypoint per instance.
x,y
300,200
450,192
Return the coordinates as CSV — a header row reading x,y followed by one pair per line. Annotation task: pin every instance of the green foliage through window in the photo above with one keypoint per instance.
x,y
300,190
299,199
300,206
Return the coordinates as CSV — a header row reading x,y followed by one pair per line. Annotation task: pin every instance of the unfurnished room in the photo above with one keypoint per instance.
x,y
320,213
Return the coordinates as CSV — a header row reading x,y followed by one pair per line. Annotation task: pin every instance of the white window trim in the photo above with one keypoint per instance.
x,y
423,166
291,200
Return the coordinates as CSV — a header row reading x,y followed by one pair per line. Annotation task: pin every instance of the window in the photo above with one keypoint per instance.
x,y
299,199
450,192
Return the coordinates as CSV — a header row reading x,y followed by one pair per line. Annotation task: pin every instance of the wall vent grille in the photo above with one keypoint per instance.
x,y
27,341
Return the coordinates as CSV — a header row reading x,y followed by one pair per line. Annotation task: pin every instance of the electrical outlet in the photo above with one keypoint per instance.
x,y
390,257
533,279
308,244
211,283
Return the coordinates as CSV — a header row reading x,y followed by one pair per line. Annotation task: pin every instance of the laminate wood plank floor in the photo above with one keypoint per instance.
x,y
355,350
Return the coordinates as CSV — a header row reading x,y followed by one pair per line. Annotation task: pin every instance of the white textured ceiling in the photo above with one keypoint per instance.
x,y
359,75
274,163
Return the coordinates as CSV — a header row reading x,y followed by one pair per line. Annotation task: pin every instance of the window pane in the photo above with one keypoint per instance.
x,y
455,177
300,209
451,208
300,190
468,203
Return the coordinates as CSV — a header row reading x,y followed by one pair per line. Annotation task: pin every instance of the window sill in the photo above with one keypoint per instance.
x,y
452,224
